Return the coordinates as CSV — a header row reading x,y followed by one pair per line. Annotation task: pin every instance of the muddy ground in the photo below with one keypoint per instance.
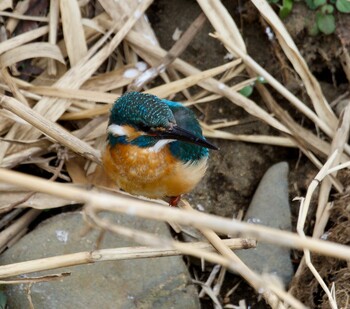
x,y
236,169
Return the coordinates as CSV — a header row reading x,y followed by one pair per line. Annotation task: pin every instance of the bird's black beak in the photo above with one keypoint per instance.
x,y
181,134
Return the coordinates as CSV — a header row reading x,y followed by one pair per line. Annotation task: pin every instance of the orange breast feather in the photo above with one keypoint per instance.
x,y
139,171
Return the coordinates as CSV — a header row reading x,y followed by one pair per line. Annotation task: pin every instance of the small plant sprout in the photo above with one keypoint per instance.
x,y
324,13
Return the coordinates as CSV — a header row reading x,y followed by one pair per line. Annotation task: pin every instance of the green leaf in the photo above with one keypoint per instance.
x,y
313,30
246,91
3,300
261,80
273,1
343,6
326,23
311,4
286,8
327,9
318,3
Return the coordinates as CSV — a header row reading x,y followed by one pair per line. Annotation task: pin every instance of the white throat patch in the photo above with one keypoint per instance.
x,y
116,130
160,144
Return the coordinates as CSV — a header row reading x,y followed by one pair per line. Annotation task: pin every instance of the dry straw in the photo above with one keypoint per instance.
x,y
113,254
88,69
146,209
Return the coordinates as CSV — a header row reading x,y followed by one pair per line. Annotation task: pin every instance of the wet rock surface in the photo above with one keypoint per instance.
x,y
270,207
141,283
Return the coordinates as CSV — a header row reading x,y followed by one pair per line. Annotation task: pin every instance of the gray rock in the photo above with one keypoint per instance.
x,y
270,207
143,283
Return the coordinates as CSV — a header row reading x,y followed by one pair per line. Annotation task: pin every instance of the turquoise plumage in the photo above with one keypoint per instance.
x,y
155,146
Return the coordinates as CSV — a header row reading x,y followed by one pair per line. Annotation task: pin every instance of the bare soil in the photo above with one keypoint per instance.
x,y
236,169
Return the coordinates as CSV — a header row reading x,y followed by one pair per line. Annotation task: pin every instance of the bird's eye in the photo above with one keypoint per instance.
x,y
143,127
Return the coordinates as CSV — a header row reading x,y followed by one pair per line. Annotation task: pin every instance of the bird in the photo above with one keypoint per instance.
x,y
155,147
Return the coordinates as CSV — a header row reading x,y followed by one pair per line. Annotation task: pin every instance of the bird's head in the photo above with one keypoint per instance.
x,y
146,120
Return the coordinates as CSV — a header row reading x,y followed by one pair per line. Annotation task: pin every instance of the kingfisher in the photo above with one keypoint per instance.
x,y
155,147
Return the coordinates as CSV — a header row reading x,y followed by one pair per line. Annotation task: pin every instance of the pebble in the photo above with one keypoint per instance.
x,y
270,207
141,283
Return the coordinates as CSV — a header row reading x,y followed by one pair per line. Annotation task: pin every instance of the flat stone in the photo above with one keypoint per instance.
x,y
143,283
270,207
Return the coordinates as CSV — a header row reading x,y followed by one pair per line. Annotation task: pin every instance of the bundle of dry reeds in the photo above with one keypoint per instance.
x,y
85,71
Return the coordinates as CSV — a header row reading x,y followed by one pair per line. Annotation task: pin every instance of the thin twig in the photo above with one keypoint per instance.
x,y
305,203
272,293
172,54
112,254
150,210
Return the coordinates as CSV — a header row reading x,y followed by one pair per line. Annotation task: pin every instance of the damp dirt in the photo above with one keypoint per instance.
x,y
236,169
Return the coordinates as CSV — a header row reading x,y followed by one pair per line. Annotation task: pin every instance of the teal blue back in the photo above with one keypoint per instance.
x,y
186,119
144,111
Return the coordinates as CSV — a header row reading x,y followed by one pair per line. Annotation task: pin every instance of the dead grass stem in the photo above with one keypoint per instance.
x,y
84,72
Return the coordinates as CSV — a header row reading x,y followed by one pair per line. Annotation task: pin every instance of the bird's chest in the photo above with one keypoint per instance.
x,y
140,171
134,163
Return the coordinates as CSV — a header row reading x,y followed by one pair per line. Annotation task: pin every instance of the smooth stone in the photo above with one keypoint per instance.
x,y
270,207
142,283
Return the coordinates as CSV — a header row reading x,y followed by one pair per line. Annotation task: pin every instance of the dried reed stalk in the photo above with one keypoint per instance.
x,y
211,84
184,83
112,254
271,292
340,139
222,20
31,50
19,225
305,204
22,39
66,93
6,4
52,109
312,86
67,101
259,139
173,53
149,210
50,128
278,86
225,30
74,40
37,279
305,139
53,28
21,7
